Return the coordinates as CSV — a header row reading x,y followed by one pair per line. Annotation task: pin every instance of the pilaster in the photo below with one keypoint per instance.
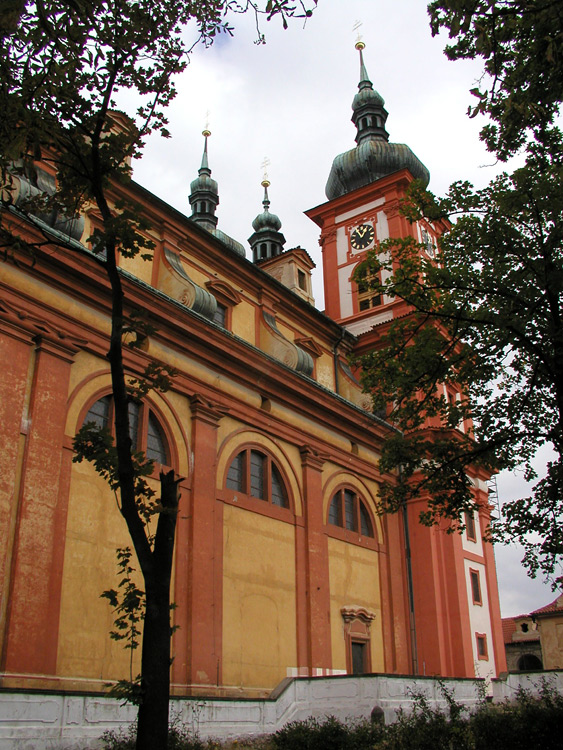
x,y
316,580
33,614
205,550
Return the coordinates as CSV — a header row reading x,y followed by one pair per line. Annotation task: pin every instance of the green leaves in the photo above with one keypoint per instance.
x,y
521,45
128,603
96,445
485,322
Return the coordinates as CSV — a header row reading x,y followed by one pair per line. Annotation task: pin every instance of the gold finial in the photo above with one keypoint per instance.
x,y
265,164
356,27
206,132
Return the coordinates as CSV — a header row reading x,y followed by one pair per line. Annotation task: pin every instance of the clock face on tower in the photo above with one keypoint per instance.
x,y
362,236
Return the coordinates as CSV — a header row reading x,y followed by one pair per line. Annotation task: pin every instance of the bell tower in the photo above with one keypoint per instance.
x,y
364,188
364,192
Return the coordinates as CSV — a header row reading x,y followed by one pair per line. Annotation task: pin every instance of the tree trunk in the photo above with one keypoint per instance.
x,y
152,729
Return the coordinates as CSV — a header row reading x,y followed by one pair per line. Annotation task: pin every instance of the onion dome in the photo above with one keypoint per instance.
x,y
267,240
374,157
236,246
204,196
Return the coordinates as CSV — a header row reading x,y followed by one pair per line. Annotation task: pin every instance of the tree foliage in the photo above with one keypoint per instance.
x,y
487,311
63,64
521,45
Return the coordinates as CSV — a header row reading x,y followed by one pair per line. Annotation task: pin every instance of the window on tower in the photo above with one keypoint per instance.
x,y
368,297
475,586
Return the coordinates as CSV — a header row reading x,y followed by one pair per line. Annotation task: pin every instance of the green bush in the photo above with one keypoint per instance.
x,y
428,728
526,723
179,738
329,734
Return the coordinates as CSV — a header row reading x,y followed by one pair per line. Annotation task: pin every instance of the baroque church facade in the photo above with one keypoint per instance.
x,y
283,565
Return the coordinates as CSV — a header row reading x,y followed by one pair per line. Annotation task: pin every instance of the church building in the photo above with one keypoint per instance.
x,y
284,565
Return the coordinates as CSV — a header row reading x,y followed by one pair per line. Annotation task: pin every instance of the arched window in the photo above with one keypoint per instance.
x,y
144,428
254,473
348,511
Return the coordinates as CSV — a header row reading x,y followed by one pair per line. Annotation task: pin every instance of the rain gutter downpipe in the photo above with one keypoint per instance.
x,y
410,593
335,360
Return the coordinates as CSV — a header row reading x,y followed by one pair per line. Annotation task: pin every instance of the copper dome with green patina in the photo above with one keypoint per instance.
x,y
374,157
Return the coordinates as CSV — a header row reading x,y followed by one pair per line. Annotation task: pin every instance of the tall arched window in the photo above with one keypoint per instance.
x,y
348,511
255,473
144,428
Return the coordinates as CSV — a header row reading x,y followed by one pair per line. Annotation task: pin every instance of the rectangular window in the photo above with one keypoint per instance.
x,y
359,654
482,650
99,413
301,280
470,526
133,411
334,513
349,511
235,476
475,586
257,466
277,488
220,316
368,297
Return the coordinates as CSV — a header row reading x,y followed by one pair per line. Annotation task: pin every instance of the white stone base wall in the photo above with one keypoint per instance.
x,y
51,721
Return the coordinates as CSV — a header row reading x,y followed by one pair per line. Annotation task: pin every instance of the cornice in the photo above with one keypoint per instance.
x,y
40,329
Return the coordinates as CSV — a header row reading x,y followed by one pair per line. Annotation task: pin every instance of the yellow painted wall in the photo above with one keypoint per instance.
x,y
259,633
551,637
18,280
140,268
354,581
324,371
243,322
95,529
285,330
196,275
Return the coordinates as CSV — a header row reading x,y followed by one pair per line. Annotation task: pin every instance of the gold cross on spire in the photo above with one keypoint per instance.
x,y
265,164
206,130
356,27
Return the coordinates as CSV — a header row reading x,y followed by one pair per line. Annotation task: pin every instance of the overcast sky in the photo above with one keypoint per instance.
x,y
290,101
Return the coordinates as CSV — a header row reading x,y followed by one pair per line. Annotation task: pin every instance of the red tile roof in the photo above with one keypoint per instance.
x,y
508,628
555,606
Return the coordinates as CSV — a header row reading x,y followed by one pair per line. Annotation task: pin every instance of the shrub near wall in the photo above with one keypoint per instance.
x,y
526,723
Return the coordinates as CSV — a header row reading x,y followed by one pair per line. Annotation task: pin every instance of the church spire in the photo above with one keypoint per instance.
x,y
369,114
373,157
204,196
267,241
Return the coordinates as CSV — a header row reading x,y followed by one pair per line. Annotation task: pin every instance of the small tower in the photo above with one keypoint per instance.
x,y
204,196
267,240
